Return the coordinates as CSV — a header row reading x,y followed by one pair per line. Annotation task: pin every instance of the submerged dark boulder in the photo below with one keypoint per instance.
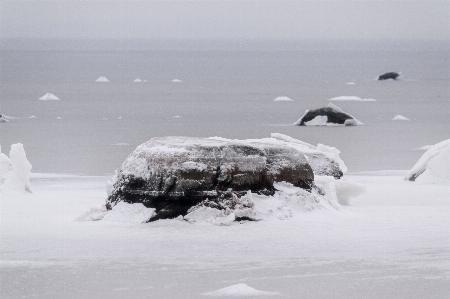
x,y
327,116
390,75
173,174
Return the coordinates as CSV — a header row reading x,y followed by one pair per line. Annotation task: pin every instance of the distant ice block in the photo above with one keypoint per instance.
x,y
351,98
283,99
350,83
137,80
58,117
49,97
177,116
102,79
177,81
240,290
400,117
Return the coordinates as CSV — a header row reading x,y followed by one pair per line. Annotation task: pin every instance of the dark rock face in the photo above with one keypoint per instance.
x,y
173,174
390,75
334,115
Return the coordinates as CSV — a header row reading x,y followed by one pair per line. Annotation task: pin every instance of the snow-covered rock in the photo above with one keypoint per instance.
x,y
102,79
190,176
433,166
400,117
331,115
49,97
15,170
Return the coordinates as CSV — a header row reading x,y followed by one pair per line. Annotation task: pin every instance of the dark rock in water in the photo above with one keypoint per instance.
x,y
3,118
173,174
390,75
330,115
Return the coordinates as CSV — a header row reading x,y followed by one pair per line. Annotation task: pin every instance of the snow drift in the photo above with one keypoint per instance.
x,y
331,115
15,170
433,166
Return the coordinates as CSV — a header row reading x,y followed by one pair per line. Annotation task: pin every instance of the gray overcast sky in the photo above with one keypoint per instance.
x,y
225,19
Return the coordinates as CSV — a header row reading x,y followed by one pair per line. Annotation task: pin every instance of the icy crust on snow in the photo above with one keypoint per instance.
x,y
239,290
433,166
15,170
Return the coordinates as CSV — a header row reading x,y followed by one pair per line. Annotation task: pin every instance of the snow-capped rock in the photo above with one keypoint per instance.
x,y
331,115
187,176
15,170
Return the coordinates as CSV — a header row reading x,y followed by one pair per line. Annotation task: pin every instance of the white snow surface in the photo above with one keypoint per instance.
x,y
239,290
129,213
433,166
49,97
389,243
102,79
15,170
283,99
400,117
351,98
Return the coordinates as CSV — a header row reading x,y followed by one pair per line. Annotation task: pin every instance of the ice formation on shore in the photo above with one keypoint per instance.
x,y
433,166
15,170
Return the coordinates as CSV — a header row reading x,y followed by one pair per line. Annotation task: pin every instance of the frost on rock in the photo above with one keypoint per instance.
x,y
15,170
204,179
331,115
433,166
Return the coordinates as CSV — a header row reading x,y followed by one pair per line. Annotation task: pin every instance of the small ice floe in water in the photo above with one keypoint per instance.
x,y
351,98
433,166
424,148
49,97
283,99
400,117
120,144
177,116
240,290
102,79
120,117
350,83
177,81
58,117
330,115
137,80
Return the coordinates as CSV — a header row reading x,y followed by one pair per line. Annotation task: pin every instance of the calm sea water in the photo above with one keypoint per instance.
x,y
227,93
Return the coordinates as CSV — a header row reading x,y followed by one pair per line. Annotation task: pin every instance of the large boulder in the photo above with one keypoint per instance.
x,y
331,115
390,75
174,174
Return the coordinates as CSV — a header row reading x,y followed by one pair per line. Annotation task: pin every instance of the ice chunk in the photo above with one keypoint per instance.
x,y
177,81
283,99
319,120
400,117
346,189
240,290
102,79
129,213
351,98
137,80
433,166
16,175
49,97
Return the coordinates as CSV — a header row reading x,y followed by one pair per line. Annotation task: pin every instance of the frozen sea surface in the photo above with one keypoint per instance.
x,y
392,242
227,93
